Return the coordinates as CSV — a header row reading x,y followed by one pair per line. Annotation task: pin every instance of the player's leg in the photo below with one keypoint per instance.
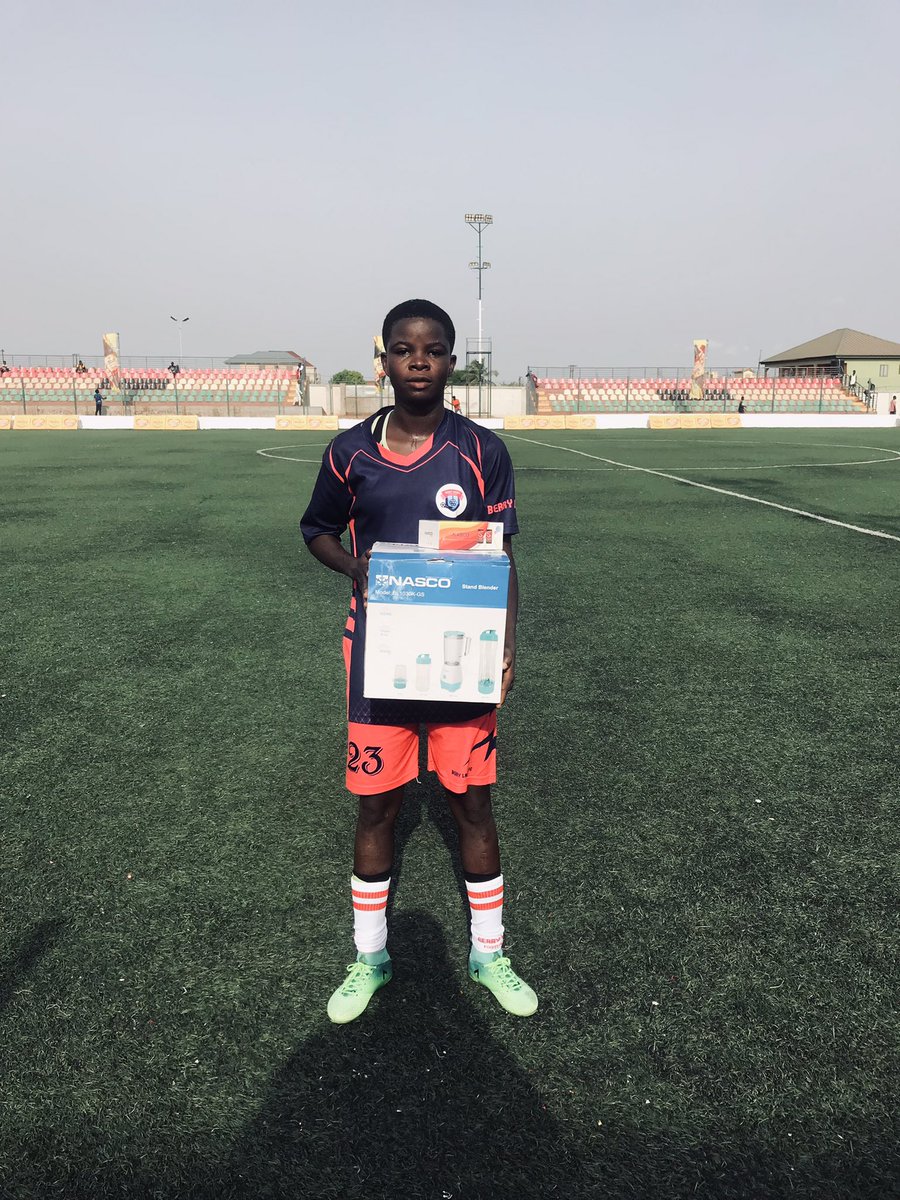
x,y
479,847
383,758
373,847
464,756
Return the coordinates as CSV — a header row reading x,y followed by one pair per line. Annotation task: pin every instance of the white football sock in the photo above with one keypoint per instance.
x,y
486,910
369,914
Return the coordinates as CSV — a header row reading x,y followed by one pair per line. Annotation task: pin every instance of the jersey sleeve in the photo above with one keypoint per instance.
x,y
328,510
500,486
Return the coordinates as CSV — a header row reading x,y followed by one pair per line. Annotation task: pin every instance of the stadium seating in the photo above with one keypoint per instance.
x,y
798,395
150,389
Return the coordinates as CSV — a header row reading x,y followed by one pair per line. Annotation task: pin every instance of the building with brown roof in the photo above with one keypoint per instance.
x,y
855,356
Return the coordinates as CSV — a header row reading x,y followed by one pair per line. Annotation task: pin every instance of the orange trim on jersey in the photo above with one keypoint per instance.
x,y
485,907
333,467
404,460
476,467
478,444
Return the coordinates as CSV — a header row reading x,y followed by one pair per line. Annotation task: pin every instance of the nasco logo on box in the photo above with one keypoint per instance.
x,y
419,581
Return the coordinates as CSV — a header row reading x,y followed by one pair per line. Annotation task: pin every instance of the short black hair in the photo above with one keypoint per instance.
x,y
418,308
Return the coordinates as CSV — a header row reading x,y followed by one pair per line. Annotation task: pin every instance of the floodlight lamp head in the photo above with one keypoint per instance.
x,y
480,218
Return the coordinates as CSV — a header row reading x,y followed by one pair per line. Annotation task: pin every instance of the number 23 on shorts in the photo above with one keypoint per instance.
x,y
368,759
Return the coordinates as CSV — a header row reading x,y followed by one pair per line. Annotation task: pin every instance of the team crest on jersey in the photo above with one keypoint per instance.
x,y
451,500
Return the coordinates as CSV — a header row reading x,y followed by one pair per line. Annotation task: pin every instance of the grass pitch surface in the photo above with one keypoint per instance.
x,y
698,816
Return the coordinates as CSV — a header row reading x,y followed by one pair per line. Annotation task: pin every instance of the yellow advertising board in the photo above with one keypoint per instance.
x,y
298,422
45,421
695,421
5,422
580,421
537,422
164,421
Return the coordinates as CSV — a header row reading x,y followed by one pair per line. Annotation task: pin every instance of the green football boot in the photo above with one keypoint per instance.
x,y
497,976
362,982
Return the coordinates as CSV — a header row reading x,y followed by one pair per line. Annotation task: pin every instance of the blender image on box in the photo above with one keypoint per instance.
x,y
434,624
423,672
456,647
489,645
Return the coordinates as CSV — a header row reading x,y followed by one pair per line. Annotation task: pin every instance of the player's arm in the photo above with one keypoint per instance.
x,y
500,497
512,613
325,520
328,549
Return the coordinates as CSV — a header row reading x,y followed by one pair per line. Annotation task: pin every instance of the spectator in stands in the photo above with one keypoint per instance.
x,y
742,407
174,368
4,368
98,403
80,368
852,379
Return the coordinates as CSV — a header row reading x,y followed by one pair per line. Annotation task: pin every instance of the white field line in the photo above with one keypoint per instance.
x,y
894,455
266,453
708,487
861,462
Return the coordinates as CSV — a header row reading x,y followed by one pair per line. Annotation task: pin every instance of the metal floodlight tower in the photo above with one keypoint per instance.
x,y
479,222
179,321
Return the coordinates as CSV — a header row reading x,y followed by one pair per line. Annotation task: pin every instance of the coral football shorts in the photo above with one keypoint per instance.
x,y
383,757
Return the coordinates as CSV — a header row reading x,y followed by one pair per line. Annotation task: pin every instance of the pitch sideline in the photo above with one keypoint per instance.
x,y
708,487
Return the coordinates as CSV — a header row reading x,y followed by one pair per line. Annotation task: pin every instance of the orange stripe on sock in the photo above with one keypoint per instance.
x,y
485,907
369,907
498,891
368,895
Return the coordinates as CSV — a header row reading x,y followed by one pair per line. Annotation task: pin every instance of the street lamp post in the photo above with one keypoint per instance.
x,y
179,321
479,222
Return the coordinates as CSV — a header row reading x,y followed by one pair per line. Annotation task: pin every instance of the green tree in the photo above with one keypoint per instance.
x,y
346,376
473,372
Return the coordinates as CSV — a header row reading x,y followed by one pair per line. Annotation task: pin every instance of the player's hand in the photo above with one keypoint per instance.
x,y
508,677
360,575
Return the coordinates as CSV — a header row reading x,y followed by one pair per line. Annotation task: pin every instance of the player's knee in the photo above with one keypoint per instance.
x,y
474,806
379,809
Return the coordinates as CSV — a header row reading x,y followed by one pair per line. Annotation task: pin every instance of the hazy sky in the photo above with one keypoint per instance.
x,y
283,173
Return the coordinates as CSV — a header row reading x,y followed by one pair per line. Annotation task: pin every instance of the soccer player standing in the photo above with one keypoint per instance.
x,y
416,461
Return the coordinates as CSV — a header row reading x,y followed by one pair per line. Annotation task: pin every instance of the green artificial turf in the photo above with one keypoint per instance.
x,y
697,808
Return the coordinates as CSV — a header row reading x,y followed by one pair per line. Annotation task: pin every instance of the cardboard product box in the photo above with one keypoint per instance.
x,y
462,535
435,624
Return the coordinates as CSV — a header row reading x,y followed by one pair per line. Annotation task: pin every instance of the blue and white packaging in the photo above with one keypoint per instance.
x,y
435,624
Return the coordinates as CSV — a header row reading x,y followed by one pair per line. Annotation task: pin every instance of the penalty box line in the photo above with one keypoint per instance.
x,y
708,487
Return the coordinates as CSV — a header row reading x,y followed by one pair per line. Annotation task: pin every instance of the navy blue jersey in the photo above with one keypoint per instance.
x,y
379,496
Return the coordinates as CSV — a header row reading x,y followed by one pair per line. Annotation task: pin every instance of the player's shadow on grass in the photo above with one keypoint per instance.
x,y
414,1099
20,964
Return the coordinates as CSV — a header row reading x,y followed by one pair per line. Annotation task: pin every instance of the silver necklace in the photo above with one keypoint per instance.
x,y
414,438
